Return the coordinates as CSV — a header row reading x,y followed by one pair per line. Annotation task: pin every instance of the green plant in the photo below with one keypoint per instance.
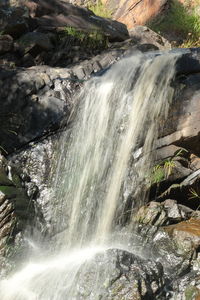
x,y
74,32
4,150
162,171
157,174
179,20
94,39
100,10
194,194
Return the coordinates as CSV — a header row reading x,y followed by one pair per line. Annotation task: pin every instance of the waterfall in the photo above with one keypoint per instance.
x,y
115,114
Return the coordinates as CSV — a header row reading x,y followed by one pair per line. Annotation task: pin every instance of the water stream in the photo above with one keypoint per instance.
x,y
116,113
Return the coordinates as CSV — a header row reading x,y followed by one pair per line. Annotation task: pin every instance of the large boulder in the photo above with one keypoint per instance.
x,y
14,21
145,35
136,12
119,274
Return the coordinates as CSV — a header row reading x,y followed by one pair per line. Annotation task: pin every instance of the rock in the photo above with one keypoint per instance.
x,y
35,42
119,274
6,43
182,126
144,35
158,214
16,211
35,161
136,12
185,234
48,15
37,98
57,13
14,21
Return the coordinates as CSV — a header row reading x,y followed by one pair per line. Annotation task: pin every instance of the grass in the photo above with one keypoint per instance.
x,y
182,21
162,171
94,39
100,10
194,194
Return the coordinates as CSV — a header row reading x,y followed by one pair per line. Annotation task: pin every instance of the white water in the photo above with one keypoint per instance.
x,y
116,112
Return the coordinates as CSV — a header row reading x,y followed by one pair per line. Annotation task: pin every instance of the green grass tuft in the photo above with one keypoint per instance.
x,y
94,39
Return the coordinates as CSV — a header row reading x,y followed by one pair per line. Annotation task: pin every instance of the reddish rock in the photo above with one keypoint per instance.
x,y
137,12
185,232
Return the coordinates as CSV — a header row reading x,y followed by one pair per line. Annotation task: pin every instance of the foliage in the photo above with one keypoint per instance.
x,y
165,168
4,150
182,21
157,174
194,194
100,10
162,171
93,39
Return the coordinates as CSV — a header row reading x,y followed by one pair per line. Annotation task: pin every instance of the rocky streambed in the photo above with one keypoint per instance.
x,y
37,104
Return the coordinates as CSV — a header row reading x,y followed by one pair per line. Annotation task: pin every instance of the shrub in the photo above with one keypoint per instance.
x,y
100,10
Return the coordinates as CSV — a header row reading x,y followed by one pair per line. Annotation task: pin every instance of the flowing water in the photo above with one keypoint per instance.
x,y
116,114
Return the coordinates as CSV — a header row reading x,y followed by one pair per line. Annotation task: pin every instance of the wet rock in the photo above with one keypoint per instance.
x,y
16,211
173,245
185,234
164,213
174,258
36,162
119,274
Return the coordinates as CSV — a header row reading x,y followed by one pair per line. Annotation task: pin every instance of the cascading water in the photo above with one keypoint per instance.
x,y
115,114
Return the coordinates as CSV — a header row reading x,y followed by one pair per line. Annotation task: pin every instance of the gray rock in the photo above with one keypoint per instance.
x,y
119,274
145,35
16,212
39,108
13,21
35,42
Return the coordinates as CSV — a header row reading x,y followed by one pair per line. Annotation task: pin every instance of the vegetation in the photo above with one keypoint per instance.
x,y
165,168
94,39
181,21
162,171
100,10
194,194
